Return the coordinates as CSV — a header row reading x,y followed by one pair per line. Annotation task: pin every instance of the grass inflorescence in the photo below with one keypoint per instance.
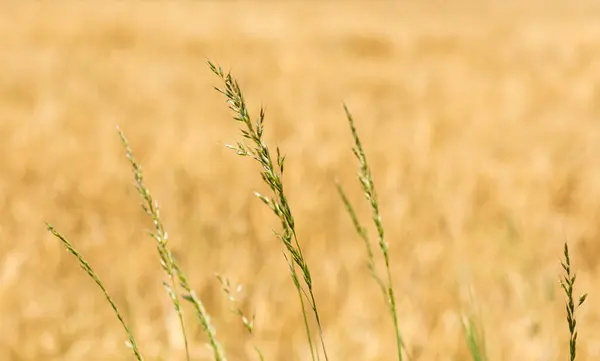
x,y
167,261
272,166
272,174
366,180
567,283
248,324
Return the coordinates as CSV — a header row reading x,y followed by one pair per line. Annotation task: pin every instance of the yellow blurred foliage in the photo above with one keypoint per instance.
x,y
481,123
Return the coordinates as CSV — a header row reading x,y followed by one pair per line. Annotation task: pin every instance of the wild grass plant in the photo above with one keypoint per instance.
x,y
567,283
272,165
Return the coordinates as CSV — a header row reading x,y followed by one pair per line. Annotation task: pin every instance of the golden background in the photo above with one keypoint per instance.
x,y
481,123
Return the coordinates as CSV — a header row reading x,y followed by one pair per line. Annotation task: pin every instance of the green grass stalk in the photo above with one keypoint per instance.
x,y
475,338
88,269
368,186
167,261
160,235
272,174
567,283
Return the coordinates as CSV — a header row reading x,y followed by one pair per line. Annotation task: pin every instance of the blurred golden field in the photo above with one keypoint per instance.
x,y
481,123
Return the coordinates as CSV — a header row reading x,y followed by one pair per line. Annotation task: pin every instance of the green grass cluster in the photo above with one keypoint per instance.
x,y
272,169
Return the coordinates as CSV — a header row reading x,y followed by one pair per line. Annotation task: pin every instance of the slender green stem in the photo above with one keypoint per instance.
x,y
474,332
88,269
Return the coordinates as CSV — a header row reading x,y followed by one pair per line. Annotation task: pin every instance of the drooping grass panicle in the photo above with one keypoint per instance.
x,y
568,283
248,323
168,263
88,269
366,181
272,173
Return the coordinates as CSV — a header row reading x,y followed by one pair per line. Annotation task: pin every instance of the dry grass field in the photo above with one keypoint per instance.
x,y
481,123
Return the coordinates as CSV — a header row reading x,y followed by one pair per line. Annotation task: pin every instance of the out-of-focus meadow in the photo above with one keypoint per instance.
x,y
481,123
